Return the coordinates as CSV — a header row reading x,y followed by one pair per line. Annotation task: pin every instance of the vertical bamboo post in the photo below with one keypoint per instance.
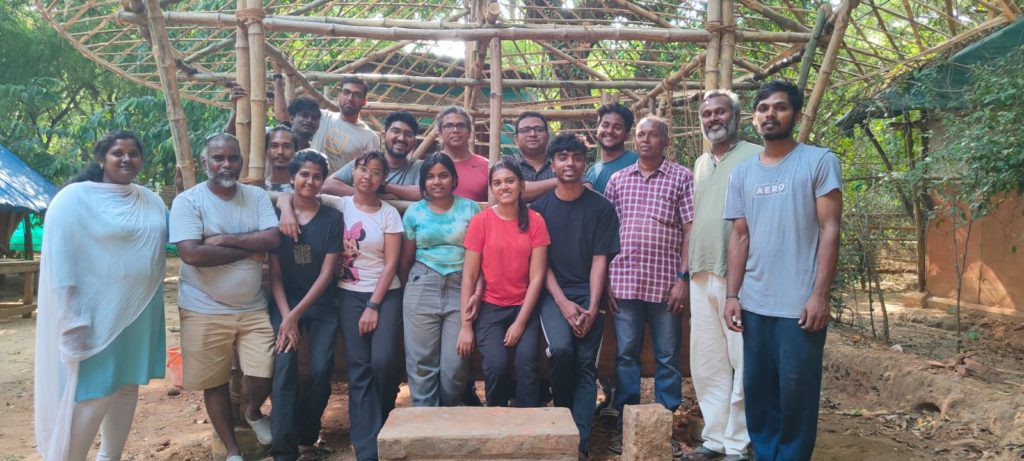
x,y
812,45
827,65
713,24
494,151
727,46
163,54
258,88
243,111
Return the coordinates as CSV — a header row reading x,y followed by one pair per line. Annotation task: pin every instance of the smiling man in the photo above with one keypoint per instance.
x,y
456,128
614,123
343,136
403,179
532,140
280,148
785,207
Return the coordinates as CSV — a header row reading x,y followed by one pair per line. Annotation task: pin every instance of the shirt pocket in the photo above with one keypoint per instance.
x,y
662,209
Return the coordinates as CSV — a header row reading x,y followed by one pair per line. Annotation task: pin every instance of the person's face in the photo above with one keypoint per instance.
x,y
611,132
305,124
280,149
532,136
351,98
121,163
399,139
569,166
717,121
368,176
439,183
650,141
505,186
455,132
308,180
774,117
223,163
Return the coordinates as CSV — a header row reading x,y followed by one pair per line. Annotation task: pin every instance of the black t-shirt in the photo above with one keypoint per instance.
x,y
579,230
301,261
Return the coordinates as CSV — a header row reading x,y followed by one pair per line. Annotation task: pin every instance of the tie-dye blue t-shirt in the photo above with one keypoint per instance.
x,y
439,236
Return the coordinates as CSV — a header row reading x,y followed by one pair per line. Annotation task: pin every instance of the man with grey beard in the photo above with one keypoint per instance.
x,y
716,353
223,230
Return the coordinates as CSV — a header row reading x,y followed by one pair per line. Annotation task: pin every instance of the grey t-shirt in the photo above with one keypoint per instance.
x,y
778,202
408,176
229,288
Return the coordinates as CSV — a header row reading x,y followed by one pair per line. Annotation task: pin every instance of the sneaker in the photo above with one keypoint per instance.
x,y
262,429
615,445
704,454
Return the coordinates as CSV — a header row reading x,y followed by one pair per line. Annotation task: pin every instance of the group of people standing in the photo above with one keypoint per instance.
x,y
746,243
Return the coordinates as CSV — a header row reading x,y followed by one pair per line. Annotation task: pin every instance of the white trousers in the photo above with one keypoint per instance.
x,y
716,364
111,416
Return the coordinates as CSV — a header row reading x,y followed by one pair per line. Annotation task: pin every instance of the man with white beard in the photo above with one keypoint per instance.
x,y
223,230
716,353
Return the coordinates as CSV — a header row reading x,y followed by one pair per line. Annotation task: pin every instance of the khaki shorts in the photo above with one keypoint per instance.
x,y
208,347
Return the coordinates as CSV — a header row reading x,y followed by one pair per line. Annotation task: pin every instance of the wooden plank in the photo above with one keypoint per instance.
x,y
29,294
21,310
18,267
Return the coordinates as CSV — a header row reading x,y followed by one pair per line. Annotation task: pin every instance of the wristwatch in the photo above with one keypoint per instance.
x,y
683,275
373,305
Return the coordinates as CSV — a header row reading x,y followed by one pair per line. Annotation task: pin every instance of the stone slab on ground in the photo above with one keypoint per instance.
x,y
646,433
479,433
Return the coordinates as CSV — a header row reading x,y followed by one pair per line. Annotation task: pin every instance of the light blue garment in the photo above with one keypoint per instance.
x,y
439,236
599,173
137,355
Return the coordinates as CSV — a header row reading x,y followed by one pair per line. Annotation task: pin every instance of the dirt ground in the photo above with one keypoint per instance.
x,y
914,398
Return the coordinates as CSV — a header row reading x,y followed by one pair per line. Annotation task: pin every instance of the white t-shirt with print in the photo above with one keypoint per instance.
x,y
362,255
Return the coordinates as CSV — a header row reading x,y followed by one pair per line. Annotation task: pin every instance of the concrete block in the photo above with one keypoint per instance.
x,y
479,433
247,442
915,299
646,433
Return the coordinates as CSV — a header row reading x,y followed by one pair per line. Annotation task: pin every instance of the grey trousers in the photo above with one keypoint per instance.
x,y
432,319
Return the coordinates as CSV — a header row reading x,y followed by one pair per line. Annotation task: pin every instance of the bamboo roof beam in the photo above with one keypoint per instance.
x,y
671,81
308,7
584,67
810,111
1011,10
209,49
776,17
381,108
808,57
643,13
885,30
913,24
296,77
949,16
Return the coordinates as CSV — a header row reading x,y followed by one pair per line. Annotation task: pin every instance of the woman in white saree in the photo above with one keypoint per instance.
x,y
100,328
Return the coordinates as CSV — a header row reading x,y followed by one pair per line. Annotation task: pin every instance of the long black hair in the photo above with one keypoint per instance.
x,y
307,156
511,163
437,158
94,170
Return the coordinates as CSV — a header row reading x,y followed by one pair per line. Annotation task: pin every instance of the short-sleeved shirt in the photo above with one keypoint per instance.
x,y
710,233
342,141
439,236
506,254
651,212
579,229
779,204
472,178
531,174
302,260
600,172
362,255
406,176
229,288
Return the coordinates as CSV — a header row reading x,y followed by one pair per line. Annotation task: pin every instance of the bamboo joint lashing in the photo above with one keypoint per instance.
x,y
250,15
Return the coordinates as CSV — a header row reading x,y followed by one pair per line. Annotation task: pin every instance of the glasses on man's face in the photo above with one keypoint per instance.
x,y
527,130
395,131
372,172
455,126
352,94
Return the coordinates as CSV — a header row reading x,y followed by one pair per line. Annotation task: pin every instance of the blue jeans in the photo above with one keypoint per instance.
x,y
666,333
782,385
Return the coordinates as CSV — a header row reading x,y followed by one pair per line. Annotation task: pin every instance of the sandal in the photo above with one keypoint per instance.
x,y
703,453
308,453
677,448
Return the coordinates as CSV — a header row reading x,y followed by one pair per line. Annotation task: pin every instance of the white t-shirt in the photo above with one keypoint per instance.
x,y
362,255
342,141
234,287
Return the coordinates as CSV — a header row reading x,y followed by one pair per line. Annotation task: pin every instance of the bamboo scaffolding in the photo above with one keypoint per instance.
x,y
825,72
258,85
584,67
774,16
671,81
243,110
164,58
727,45
294,76
494,138
382,108
812,45
713,24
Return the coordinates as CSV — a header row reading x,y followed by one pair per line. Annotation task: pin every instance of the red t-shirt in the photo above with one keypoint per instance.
x,y
506,254
472,178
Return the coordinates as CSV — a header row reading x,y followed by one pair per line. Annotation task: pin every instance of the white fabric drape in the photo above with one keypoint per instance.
x,y
102,262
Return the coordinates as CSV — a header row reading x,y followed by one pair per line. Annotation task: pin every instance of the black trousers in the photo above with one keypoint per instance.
x,y
500,361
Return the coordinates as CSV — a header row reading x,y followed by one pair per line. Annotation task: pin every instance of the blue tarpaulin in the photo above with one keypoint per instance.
x,y
21,188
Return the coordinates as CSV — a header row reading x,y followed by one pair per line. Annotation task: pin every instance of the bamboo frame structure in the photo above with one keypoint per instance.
x,y
258,98
824,74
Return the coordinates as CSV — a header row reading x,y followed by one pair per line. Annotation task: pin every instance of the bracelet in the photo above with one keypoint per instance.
x,y
373,305
732,296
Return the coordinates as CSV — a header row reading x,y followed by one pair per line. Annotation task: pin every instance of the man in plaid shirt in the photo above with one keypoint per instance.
x,y
649,277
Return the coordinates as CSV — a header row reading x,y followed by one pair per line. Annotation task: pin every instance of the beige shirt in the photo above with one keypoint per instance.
x,y
709,238
342,141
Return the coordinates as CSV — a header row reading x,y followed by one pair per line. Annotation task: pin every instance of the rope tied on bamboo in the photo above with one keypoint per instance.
x,y
250,15
716,26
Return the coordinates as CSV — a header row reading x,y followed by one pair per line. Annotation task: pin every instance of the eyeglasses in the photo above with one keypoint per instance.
x,y
352,94
526,130
374,172
395,131
455,126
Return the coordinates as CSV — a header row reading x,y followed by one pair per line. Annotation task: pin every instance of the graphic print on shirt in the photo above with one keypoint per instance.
x,y
350,251
775,188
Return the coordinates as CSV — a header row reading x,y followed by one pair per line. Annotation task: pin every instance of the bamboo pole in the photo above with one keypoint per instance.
x,y
671,81
424,110
163,55
774,16
584,67
258,86
494,146
713,23
727,45
295,77
243,111
827,65
427,142
812,45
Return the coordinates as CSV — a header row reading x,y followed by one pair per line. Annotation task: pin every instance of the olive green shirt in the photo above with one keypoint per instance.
x,y
709,238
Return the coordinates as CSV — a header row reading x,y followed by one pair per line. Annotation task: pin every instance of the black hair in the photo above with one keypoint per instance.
x,y
94,170
404,117
374,155
566,141
796,97
531,114
613,107
307,155
270,134
356,80
437,158
303,104
511,163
